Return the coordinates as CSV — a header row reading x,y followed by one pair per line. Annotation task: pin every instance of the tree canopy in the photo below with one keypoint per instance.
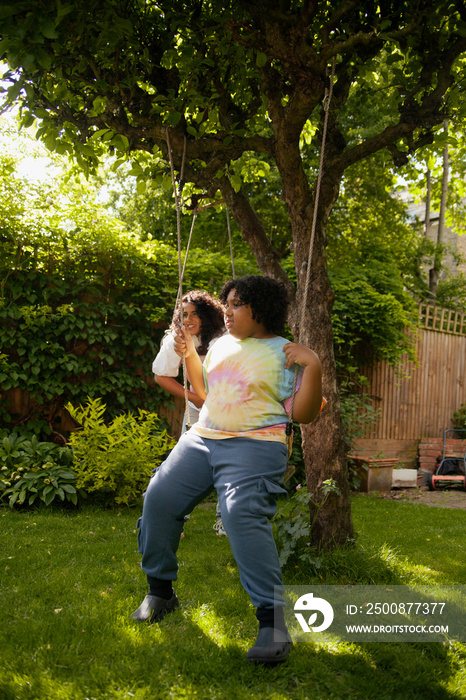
x,y
218,81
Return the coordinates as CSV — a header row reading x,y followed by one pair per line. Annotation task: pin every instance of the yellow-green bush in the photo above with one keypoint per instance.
x,y
115,460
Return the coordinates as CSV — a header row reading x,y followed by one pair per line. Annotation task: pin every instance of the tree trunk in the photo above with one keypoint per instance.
x,y
324,443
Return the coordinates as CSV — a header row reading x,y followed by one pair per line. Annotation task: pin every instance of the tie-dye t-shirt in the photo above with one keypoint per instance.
x,y
246,384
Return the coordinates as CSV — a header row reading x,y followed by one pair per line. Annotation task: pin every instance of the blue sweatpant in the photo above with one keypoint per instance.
x,y
247,475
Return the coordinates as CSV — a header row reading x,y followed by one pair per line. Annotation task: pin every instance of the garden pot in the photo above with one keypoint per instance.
x,y
375,473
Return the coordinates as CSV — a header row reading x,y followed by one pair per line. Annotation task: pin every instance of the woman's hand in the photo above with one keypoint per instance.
x,y
183,343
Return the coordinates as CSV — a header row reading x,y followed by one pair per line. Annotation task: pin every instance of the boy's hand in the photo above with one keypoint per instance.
x,y
308,398
183,343
299,354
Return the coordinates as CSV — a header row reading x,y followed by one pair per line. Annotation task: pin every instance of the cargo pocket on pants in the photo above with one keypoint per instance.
x,y
138,526
263,498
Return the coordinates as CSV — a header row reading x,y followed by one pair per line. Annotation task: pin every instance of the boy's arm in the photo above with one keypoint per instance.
x,y
184,344
308,398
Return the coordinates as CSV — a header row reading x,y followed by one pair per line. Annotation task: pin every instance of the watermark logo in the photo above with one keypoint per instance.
x,y
308,604
375,613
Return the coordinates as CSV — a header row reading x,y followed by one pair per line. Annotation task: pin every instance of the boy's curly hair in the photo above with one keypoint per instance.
x,y
267,298
210,312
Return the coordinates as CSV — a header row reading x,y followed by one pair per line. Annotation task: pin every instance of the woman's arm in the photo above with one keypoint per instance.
x,y
308,398
173,387
184,344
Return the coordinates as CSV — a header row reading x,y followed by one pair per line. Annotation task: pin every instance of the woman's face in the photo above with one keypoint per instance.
x,y
191,320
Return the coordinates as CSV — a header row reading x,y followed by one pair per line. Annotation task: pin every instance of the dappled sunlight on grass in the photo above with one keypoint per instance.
x,y
71,635
215,628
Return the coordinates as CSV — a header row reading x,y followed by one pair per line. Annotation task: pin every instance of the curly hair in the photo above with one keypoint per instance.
x,y
267,298
209,310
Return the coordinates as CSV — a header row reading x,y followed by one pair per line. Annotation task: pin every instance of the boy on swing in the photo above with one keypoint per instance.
x,y
238,447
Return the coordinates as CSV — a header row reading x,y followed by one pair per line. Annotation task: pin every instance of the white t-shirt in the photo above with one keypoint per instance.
x,y
167,363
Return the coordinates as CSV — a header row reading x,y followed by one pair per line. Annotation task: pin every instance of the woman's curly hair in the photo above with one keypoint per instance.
x,y
267,298
209,310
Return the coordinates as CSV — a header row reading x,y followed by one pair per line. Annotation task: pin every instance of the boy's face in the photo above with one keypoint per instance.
x,y
239,321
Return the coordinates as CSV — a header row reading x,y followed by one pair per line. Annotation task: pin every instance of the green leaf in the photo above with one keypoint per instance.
x,y
13,498
261,59
174,118
236,182
49,498
8,11
48,30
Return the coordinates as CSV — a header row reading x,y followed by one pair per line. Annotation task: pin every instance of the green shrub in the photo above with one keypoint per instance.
x,y
370,316
31,470
21,449
459,418
115,460
46,483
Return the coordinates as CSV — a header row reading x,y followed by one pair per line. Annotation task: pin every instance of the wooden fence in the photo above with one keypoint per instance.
x,y
418,400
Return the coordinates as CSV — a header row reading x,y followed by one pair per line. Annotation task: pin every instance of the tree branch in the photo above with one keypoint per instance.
x,y
414,117
268,258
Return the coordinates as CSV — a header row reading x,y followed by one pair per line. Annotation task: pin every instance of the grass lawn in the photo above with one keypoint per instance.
x,y
69,581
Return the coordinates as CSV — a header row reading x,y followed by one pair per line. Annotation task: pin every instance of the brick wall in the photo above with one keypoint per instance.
x,y
431,448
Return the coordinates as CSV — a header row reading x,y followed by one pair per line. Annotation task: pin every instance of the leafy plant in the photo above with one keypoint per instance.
x,y
115,460
451,291
296,461
19,449
293,524
45,483
371,314
459,417
31,470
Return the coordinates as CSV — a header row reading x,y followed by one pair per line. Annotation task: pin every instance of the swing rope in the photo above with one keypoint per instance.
x,y
231,244
178,297
177,191
326,105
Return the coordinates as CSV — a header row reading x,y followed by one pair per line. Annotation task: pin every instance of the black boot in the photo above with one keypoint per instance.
x,y
273,643
153,608
272,646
